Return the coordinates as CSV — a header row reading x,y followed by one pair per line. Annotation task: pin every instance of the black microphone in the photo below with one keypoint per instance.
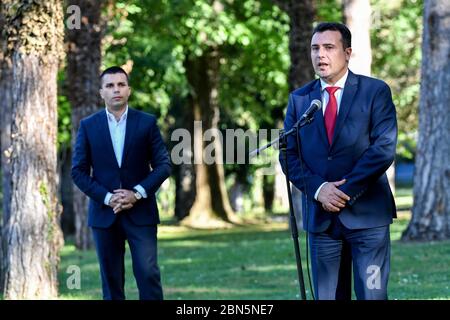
x,y
314,106
304,120
307,116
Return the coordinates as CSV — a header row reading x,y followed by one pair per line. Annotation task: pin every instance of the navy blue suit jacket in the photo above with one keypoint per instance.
x,y
362,149
143,148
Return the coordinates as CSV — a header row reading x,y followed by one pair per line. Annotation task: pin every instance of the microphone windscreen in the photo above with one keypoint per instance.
x,y
318,103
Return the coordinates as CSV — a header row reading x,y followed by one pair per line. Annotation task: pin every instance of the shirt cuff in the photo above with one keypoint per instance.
x,y
141,190
107,198
316,195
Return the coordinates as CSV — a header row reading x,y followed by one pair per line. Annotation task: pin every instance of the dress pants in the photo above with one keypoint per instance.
x,y
110,246
332,254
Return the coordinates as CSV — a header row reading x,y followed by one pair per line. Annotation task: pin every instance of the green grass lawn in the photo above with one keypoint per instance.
x,y
256,262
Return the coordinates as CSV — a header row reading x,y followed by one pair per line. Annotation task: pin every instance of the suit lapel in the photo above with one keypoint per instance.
x,y
132,122
319,120
106,135
346,103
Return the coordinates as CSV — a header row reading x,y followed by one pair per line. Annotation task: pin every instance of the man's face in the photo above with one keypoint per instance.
x,y
329,59
115,91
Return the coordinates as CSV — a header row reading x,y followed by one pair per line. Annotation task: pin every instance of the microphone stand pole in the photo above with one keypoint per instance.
x,y
282,141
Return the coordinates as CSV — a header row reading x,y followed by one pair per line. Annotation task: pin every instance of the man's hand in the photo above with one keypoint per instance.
x,y
126,200
114,202
332,199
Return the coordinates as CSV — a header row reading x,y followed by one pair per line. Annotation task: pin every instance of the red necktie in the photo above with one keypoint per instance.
x,y
331,113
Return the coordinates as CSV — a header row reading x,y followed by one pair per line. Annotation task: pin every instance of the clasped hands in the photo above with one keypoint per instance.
x,y
331,198
122,199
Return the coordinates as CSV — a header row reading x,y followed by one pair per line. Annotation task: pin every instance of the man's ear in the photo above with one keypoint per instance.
x,y
348,53
101,92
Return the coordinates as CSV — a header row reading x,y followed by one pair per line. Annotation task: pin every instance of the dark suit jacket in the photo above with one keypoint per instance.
x,y
362,150
143,147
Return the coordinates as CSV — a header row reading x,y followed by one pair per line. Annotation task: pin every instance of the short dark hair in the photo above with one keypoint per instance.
x,y
336,26
113,70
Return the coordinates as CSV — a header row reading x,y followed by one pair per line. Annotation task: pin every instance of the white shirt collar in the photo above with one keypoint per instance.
x,y
111,116
340,83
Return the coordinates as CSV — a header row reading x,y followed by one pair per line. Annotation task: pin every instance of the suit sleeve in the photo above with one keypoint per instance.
x,y
308,182
159,161
81,168
380,154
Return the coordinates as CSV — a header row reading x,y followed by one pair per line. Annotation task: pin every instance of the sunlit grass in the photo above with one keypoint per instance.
x,y
257,262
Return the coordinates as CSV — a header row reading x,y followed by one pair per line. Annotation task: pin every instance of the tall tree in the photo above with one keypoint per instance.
x,y
5,74
184,173
357,17
301,16
163,39
397,36
200,30
211,202
32,40
431,210
83,67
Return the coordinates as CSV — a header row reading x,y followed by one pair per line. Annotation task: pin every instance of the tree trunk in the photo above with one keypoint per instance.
x,y
268,192
5,115
5,122
184,173
83,69
357,17
66,190
185,190
31,234
211,206
301,17
430,213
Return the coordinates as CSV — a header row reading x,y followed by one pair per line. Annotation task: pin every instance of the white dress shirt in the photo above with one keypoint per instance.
x,y
325,98
338,94
117,130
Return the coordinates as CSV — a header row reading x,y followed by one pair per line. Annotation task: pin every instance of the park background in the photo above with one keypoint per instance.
x,y
229,64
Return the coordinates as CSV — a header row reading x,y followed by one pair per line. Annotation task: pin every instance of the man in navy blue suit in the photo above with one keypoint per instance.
x,y
340,167
119,162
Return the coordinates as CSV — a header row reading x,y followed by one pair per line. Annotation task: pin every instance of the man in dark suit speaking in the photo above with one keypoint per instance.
x,y
119,144
345,152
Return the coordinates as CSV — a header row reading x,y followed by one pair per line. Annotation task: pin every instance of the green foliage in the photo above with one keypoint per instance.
x,y
329,10
396,55
64,116
154,38
64,122
131,40
254,76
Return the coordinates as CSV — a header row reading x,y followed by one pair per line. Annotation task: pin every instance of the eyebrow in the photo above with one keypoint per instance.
x,y
323,44
110,83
